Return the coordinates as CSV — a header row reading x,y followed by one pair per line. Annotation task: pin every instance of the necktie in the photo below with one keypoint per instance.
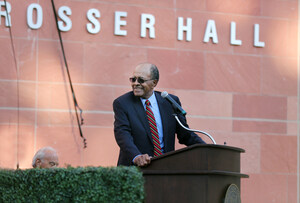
x,y
153,129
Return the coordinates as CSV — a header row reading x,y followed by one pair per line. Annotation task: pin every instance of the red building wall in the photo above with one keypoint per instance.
x,y
243,95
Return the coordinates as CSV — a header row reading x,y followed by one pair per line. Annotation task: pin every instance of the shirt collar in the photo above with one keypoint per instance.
x,y
152,99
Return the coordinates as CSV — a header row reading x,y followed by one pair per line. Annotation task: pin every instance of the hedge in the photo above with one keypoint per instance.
x,y
90,184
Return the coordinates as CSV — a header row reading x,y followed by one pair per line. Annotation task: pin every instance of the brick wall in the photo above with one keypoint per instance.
x,y
243,95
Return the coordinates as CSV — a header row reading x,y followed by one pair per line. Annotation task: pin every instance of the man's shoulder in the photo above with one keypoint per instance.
x,y
158,94
125,96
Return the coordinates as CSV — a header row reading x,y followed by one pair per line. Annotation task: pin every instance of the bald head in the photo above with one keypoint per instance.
x,y
149,68
45,158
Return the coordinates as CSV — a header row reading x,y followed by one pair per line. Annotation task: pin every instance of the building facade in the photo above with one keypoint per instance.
x,y
234,64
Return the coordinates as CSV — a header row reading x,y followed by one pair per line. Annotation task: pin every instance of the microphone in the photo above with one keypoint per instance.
x,y
175,105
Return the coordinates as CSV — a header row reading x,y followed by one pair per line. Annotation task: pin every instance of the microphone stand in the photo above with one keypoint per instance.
x,y
202,132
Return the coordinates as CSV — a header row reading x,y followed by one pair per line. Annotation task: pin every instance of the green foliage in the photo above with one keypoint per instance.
x,y
90,184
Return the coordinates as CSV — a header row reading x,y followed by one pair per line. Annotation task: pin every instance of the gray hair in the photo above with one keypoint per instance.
x,y
40,154
154,72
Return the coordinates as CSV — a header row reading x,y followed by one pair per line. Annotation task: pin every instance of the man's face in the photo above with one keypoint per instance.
x,y
50,160
146,88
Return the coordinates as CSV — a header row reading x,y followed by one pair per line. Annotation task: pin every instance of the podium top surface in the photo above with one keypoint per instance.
x,y
212,146
198,158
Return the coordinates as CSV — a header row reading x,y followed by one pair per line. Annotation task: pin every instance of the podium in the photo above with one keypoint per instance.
x,y
198,173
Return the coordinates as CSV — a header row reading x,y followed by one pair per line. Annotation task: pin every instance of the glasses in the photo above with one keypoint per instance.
x,y
140,80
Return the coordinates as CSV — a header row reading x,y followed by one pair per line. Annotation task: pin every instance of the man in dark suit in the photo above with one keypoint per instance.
x,y
139,141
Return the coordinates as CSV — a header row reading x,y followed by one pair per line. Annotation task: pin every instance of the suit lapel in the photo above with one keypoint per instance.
x,y
162,106
141,113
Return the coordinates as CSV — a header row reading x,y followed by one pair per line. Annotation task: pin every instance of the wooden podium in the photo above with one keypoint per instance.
x,y
198,173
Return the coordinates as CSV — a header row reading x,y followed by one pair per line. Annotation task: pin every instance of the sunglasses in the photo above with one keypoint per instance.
x,y
140,80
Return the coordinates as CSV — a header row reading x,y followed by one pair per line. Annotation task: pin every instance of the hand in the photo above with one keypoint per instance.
x,y
142,160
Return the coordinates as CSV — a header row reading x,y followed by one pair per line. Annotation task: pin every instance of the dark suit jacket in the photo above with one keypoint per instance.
x,y
132,131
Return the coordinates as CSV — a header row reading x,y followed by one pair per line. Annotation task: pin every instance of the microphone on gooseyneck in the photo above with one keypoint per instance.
x,y
175,105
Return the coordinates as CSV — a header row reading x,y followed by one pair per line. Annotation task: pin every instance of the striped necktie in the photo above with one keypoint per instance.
x,y
153,129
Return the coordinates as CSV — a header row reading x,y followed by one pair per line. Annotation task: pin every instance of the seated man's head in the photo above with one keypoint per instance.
x,y
45,158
